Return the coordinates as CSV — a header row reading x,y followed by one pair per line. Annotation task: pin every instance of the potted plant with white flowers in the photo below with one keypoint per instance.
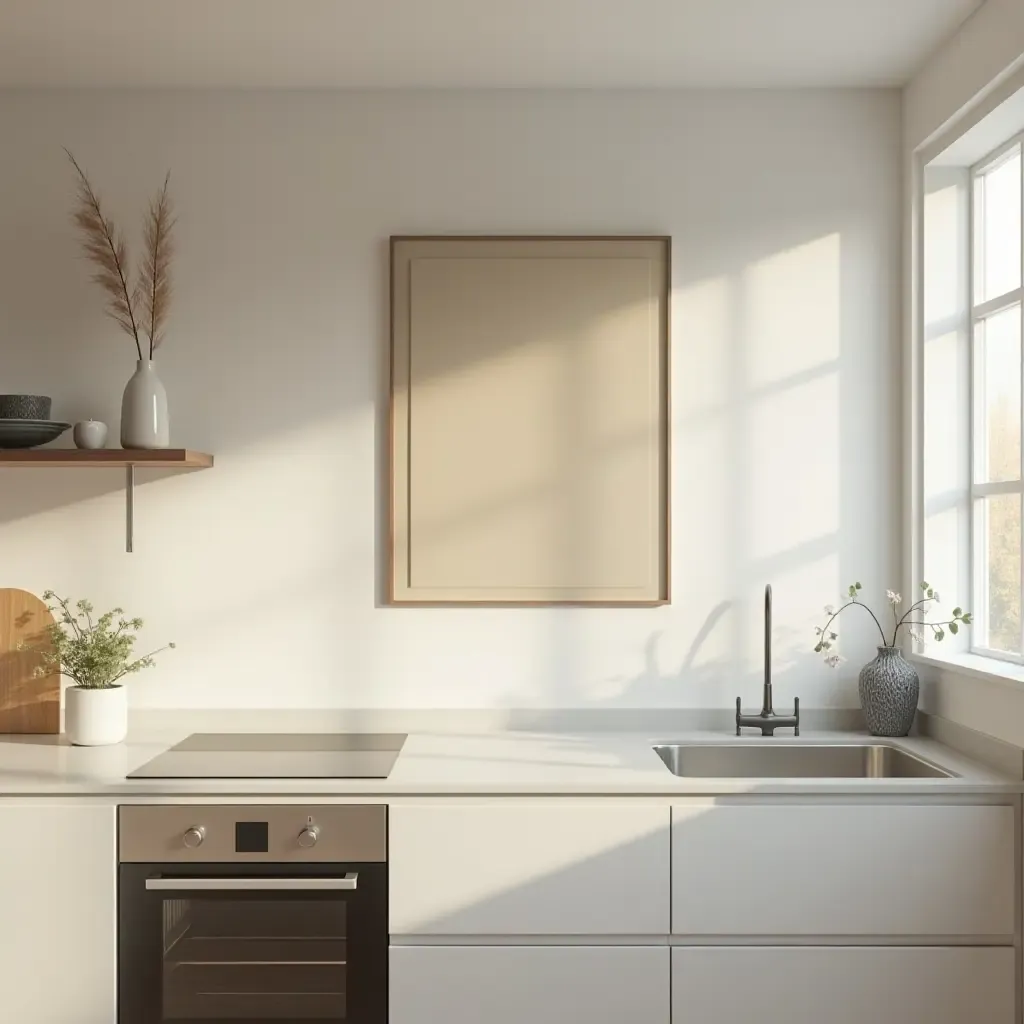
x,y
888,684
95,654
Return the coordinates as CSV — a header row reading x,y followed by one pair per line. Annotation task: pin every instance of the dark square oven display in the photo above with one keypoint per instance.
x,y
251,837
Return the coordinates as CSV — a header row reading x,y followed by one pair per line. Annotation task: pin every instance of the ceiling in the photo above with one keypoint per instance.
x,y
470,43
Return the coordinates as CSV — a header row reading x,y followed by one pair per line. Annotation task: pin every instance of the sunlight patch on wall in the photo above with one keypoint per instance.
x,y
793,438
791,311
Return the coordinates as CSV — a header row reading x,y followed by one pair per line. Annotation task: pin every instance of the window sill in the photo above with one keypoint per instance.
x,y
990,669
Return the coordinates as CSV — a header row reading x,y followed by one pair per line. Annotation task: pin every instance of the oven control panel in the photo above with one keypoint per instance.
x,y
279,833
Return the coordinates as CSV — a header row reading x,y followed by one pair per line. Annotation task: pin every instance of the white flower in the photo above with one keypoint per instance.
x,y
833,660
830,609
894,598
935,596
917,636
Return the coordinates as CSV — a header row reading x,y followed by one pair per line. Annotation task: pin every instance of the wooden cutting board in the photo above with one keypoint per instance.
x,y
27,703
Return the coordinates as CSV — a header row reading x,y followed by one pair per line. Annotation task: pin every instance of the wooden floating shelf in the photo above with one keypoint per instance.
x,y
66,458
108,458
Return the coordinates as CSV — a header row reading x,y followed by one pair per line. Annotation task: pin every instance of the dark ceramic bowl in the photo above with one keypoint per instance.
x,y
25,407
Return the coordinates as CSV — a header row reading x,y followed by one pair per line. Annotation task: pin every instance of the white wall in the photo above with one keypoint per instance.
x,y
956,79
784,210
979,54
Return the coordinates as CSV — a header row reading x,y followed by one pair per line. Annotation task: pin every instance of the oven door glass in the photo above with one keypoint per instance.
x,y
253,946
266,958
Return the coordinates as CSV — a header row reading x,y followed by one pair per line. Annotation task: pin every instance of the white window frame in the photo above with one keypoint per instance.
x,y
979,311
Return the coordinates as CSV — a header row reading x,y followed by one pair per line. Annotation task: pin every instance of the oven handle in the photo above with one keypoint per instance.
x,y
265,884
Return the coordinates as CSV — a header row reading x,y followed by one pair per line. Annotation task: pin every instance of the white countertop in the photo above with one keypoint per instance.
x,y
466,763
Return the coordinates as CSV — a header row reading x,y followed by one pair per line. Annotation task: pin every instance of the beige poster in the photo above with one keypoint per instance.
x,y
529,417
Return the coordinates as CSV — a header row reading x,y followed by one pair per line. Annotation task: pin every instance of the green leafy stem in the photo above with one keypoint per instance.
x,y
94,654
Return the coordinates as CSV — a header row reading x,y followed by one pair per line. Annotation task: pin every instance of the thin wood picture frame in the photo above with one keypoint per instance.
x,y
529,415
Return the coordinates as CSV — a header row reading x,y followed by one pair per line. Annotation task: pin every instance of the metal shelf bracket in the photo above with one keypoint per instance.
x,y
129,508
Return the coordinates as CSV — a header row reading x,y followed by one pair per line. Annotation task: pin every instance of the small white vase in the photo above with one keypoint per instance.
x,y
144,422
95,718
90,434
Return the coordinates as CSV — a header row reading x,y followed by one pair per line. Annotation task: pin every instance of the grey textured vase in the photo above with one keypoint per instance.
x,y
889,689
144,422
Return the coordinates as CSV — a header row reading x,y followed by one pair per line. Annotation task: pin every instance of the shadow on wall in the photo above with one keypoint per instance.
x,y
719,679
30,492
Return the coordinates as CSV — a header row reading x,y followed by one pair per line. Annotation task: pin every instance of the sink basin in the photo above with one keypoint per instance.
x,y
796,761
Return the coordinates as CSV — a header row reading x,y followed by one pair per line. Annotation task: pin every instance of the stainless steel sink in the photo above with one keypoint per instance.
x,y
796,761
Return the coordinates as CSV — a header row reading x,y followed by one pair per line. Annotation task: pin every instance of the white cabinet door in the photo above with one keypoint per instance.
x,y
529,985
58,913
843,985
843,869
534,868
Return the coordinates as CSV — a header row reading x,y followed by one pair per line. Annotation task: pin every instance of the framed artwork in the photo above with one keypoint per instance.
x,y
529,449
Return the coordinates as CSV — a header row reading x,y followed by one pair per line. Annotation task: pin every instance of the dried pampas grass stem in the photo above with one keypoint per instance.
x,y
106,247
156,270
141,310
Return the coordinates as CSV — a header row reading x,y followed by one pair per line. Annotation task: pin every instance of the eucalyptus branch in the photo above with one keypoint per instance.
x,y
827,636
873,616
910,611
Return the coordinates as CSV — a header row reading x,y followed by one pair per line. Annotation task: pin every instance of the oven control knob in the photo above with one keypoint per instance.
x,y
308,836
194,836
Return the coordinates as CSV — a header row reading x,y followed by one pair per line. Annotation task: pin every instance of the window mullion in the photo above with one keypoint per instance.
x,y
1020,343
996,488
983,310
974,527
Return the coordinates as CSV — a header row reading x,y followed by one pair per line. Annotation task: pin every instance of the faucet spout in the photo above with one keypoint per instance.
x,y
767,721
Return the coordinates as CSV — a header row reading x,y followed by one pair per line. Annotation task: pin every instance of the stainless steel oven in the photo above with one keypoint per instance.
x,y
252,913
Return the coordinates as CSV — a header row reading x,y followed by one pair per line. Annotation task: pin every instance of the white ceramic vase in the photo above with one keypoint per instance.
x,y
95,718
144,422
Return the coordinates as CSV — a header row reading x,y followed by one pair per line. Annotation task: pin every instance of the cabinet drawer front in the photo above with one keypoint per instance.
x,y
843,985
528,869
855,869
528,985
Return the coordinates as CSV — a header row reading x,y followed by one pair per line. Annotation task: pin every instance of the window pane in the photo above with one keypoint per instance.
x,y
998,370
999,531
998,230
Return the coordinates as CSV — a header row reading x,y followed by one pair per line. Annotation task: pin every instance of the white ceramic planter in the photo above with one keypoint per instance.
x,y
95,718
